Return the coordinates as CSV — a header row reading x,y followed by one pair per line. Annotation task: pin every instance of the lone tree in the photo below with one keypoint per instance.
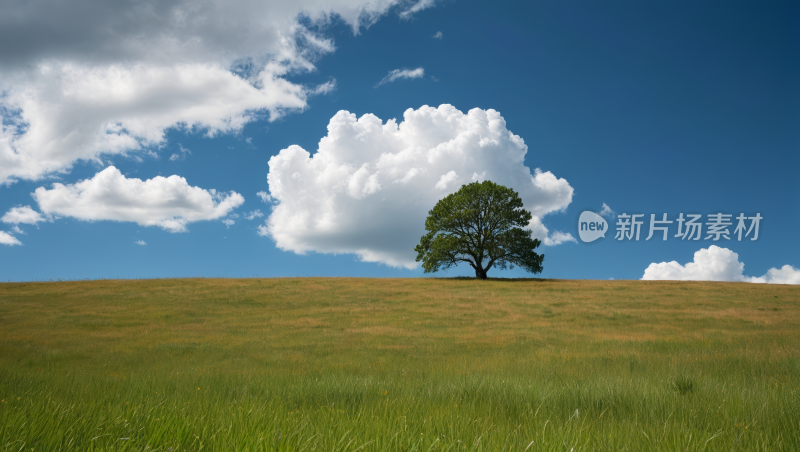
x,y
480,224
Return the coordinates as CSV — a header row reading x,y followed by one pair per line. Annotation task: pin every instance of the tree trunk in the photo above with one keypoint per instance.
x,y
480,273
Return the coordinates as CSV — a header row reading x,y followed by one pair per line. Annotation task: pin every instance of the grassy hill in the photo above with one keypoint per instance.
x,y
399,364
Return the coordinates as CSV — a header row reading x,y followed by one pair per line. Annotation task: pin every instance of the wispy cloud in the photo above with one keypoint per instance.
x,y
140,242
419,6
559,237
607,212
438,35
402,73
253,215
325,88
181,156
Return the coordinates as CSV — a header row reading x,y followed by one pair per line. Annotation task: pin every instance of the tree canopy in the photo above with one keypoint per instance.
x,y
480,224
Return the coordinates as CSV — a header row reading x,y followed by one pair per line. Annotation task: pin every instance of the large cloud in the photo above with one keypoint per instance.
x,y
86,78
167,202
369,187
718,264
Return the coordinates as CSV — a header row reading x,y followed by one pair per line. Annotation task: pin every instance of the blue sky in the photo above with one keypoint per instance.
x,y
648,107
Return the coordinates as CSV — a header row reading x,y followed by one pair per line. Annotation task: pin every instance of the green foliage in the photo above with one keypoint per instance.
x,y
481,224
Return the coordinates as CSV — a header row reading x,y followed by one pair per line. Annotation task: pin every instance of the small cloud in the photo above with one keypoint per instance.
x,y
539,231
249,140
228,223
264,196
402,73
8,239
167,202
325,88
438,35
140,242
16,229
263,231
478,177
607,212
446,180
182,155
22,214
253,215
233,215
417,7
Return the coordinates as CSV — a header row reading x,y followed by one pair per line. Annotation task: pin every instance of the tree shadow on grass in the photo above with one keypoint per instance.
x,y
471,278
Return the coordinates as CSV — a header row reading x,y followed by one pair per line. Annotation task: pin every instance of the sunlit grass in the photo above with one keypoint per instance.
x,y
399,364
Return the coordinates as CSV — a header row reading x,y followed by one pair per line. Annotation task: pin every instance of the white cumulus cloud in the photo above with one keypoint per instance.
x,y
402,73
368,188
22,214
167,202
784,275
140,242
82,112
8,239
717,264
91,78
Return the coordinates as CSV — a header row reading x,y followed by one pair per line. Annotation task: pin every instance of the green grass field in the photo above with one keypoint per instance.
x,y
399,365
